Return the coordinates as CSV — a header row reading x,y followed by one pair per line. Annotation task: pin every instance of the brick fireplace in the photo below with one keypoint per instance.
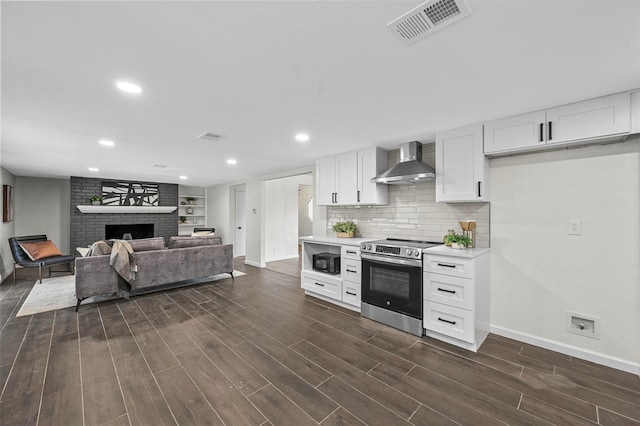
x,y
87,228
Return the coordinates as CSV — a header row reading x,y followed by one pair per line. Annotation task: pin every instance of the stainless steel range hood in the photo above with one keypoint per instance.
x,y
410,169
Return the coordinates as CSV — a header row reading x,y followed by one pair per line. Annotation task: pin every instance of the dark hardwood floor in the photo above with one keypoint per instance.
x,y
260,352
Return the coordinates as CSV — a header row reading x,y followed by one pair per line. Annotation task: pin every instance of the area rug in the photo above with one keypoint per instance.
x,y
60,292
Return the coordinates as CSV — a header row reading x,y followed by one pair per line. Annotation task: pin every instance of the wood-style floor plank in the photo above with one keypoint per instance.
x,y
187,403
145,402
258,351
292,386
102,398
229,403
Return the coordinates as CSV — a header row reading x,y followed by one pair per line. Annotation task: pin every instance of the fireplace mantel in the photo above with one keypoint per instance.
x,y
126,209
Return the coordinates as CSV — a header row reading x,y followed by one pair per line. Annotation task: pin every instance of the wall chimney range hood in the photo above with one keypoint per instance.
x,y
409,170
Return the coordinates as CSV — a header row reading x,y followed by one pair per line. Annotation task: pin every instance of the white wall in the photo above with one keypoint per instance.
x,y
42,207
7,230
281,216
538,272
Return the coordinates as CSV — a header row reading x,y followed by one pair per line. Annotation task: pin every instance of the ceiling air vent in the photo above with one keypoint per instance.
x,y
159,166
428,18
210,136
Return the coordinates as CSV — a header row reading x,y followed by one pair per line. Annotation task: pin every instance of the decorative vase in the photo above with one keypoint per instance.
x,y
95,203
345,234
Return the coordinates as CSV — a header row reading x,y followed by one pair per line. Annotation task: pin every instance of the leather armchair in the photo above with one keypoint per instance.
x,y
20,258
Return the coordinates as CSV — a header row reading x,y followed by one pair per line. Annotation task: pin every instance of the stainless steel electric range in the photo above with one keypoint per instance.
x,y
392,282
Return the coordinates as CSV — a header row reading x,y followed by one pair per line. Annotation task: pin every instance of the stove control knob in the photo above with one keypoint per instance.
x,y
409,251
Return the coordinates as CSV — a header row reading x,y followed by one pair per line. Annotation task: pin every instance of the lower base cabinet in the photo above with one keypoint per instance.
x,y
341,289
456,305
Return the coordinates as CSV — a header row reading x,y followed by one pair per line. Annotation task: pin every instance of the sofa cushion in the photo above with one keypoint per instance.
x,y
147,244
181,242
40,250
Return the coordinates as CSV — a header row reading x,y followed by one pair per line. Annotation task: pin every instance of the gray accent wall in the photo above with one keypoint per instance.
x,y
87,228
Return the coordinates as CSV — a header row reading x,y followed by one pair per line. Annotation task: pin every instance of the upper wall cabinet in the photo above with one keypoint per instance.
x,y
345,179
461,168
596,120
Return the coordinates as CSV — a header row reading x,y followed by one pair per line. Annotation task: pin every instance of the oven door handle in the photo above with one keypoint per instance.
x,y
396,261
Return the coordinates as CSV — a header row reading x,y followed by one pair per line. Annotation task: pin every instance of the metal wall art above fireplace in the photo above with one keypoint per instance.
x,y
119,193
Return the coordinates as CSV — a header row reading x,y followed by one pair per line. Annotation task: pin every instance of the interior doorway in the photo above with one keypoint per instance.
x,y
287,216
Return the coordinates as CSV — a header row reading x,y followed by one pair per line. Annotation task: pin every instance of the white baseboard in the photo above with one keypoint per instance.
x,y
287,257
256,264
598,358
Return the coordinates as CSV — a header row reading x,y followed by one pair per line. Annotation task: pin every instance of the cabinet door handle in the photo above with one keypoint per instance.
x,y
352,252
320,284
479,193
358,196
352,294
550,132
541,132
335,197
447,321
349,270
446,291
446,265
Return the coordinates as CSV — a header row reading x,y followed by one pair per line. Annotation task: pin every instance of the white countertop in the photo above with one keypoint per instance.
x,y
337,241
468,252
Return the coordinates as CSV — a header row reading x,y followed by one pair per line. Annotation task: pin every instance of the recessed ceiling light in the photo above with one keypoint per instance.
x,y
105,142
183,177
231,161
93,169
125,86
302,137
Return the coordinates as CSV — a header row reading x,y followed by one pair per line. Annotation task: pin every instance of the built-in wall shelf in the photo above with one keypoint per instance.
x,y
126,209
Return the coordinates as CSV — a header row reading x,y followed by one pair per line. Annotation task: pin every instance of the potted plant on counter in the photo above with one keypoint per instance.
x,y
457,241
96,200
345,229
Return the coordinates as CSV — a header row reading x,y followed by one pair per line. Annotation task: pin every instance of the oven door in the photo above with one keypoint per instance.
x,y
394,284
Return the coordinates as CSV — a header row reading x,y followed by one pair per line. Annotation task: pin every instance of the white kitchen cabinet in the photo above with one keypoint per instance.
x,y
325,180
456,305
596,120
462,170
341,289
350,264
371,162
345,179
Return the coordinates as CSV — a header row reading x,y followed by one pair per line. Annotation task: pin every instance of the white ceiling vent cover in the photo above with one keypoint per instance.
x,y
210,136
428,18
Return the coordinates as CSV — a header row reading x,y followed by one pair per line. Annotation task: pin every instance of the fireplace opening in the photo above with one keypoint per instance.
x,y
137,231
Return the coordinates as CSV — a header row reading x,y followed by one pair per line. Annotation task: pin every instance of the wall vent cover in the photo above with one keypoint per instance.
x,y
159,166
210,136
428,18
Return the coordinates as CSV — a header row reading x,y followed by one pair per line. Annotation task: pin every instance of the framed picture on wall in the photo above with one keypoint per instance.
x,y
7,203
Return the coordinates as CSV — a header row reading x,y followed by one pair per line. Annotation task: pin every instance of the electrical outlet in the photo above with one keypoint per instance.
x,y
575,227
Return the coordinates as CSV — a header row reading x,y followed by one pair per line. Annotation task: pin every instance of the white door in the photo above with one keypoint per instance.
x,y
241,236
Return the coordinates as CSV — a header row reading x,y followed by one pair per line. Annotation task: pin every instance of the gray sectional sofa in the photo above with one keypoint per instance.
x,y
184,259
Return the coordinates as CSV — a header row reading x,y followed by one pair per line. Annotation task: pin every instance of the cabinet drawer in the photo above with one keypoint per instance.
x,y
449,265
450,321
350,270
351,252
448,290
326,287
351,293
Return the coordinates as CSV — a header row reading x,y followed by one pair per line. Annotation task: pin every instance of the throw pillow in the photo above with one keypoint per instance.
x,y
40,250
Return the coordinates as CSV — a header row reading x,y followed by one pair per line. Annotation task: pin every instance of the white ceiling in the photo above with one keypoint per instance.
x,y
259,72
